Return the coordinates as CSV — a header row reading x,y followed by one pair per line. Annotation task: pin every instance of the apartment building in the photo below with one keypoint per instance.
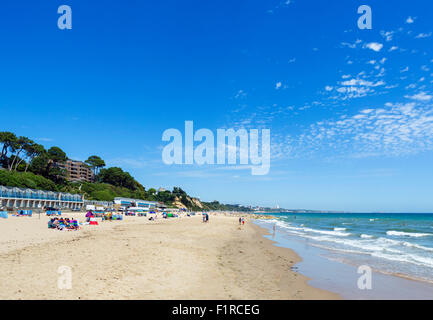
x,y
77,171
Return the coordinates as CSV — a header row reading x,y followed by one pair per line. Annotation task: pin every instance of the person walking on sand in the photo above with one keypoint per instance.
x,y
240,220
243,220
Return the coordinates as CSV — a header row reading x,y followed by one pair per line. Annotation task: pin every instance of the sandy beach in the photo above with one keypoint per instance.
x,y
181,258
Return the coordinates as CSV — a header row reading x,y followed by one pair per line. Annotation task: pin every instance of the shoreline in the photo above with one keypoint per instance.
x,y
181,258
294,260
388,286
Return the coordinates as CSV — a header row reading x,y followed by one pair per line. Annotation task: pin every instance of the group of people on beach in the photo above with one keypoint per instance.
x,y
63,223
241,220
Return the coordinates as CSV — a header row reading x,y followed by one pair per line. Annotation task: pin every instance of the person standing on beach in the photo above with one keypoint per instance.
x,y
240,220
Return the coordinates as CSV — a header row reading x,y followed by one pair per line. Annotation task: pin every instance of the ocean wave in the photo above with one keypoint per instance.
x,y
367,246
388,247
331,233
407,234
304,231
417,246
377,249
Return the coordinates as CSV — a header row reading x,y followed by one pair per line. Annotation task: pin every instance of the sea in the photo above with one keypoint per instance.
x,y
398,244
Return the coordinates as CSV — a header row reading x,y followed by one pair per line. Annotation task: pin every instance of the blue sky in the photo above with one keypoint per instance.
x,y
350,111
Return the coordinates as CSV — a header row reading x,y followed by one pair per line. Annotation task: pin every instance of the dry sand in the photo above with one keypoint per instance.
x,y
180,258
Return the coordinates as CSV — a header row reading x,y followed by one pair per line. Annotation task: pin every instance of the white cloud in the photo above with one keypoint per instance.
x,y
360,82
410,20
240,94
375,46
387,35
394,130
422,96
44,139
351,45
423,35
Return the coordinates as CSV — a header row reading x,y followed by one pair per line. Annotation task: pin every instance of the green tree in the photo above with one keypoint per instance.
x,y
8,141
47,164
39,164
57,155
165,196
117,177
22,143
95,163
33,151
54,172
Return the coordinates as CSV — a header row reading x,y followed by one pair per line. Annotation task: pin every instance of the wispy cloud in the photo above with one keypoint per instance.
x,y
393,130
44,139
422,96
423,35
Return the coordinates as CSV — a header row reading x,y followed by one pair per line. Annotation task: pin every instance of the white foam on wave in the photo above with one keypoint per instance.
x,y
367,246
417,246
381,247
328,232
406,258
407,234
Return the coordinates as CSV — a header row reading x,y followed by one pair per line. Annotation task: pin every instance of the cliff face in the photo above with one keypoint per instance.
x,y
197,202
178,204
190,203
